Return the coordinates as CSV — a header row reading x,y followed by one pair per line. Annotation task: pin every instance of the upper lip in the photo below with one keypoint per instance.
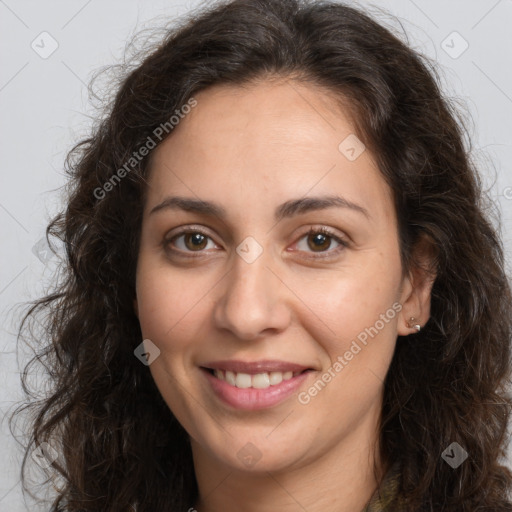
x,y
254,367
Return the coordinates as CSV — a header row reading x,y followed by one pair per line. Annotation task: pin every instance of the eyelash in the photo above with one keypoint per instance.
x,y
312,231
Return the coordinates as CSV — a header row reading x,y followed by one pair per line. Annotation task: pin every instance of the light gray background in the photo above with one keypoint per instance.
x,y
44,106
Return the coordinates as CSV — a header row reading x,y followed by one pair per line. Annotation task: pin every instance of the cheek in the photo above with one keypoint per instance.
x,y
355,318
171,314
350,300
356,327
175,314
166,298
157,308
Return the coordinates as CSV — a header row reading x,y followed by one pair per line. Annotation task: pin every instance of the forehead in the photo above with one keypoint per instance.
x,y
281,111
278,138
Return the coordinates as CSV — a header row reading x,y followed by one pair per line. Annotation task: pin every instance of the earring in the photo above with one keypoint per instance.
x,y
413,325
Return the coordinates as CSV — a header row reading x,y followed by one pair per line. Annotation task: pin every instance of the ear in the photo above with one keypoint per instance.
x,y
417,287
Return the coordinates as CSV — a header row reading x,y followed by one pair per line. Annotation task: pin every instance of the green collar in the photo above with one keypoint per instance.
x,y
386,494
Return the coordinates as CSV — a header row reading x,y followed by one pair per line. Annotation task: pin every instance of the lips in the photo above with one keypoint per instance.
x,y
254,385
252,397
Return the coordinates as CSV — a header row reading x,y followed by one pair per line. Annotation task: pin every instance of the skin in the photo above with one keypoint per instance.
x,y
250,149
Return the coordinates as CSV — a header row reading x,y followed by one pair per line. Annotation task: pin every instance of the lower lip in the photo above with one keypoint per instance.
x,y
252,399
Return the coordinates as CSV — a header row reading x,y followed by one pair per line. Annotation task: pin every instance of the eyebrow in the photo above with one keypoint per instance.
x,y
285,210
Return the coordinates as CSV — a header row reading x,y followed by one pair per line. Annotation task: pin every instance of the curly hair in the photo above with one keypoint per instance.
x,y
446,384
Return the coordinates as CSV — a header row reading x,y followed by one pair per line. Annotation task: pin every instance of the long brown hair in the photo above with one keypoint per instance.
x,y
120,446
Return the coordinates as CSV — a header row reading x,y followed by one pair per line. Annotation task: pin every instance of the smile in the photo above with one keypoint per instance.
x,y
258,381
253,391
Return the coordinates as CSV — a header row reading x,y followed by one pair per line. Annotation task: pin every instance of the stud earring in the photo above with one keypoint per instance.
x,y
414,325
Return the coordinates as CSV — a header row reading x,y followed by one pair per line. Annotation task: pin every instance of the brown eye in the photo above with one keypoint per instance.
x,y
319,241
194,241
188,242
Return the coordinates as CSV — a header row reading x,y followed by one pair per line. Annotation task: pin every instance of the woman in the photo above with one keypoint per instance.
x,y
282,291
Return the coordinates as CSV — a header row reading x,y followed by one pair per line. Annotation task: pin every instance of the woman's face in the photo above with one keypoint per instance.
x,y
300,328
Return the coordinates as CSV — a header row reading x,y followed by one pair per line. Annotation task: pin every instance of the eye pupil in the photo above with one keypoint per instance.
x,y
198,240
320,241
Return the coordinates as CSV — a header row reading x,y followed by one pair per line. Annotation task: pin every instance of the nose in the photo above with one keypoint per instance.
x,y
254,302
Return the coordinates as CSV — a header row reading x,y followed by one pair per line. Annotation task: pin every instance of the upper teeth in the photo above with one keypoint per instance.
x,y
258,381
